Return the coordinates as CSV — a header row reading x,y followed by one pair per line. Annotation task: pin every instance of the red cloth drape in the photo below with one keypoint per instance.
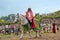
x,y
54,28
33,23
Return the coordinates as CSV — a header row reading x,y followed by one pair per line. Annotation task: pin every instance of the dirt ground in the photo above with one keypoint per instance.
x,y
45,36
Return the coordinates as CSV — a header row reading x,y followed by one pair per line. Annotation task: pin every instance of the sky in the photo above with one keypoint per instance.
x,y
20,6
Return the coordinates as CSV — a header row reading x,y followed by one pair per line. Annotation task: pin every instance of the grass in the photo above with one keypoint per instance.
x,y
3,36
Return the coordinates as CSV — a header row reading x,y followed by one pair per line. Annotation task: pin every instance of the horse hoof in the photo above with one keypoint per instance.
x,y
29,37
40,35
36,37
20,38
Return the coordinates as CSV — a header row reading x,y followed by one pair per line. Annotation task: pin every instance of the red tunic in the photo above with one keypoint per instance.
x,y
29,16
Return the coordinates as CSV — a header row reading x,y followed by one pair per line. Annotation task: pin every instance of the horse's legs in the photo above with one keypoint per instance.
x,y
39,33
29,35
36,34
21,35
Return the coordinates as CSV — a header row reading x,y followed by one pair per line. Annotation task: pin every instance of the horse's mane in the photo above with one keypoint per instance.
x,y
23,19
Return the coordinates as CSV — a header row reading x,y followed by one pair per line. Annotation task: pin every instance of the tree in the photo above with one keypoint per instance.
x,y
11,17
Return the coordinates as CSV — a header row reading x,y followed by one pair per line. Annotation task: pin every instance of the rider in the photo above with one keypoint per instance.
x,y
30,18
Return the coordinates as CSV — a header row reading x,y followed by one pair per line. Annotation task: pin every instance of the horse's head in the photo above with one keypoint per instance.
x,y
19,19
22,19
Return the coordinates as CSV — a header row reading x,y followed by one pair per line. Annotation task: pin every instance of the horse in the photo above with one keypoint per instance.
x,y
25,26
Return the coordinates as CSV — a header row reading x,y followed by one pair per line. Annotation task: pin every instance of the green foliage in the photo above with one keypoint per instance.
x,y
4,18
54,15
37,16
11,17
